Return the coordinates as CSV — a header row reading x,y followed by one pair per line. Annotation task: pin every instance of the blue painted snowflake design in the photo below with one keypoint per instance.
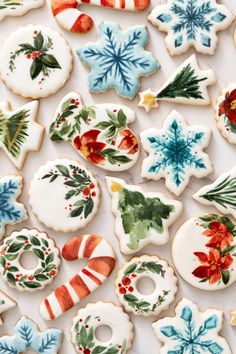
x,y
27,336
191,331
118,59
191,23
11,212
176,152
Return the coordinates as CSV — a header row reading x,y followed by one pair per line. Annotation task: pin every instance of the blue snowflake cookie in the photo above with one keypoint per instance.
x,y
176,152
191,331
191,23
27,336
11,211
118,59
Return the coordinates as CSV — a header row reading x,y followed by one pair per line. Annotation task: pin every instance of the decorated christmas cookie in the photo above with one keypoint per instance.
x,y
221,194
19,133
27,336
6,303
157,270
207,262
101,262
35,61
118,59
99,132
11,211
176,152
233,317
17,7
100,314
191,331
226,113
191,23
140,217
69,16
187,85
75,195
42,247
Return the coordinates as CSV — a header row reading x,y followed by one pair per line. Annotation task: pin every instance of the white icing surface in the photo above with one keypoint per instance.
x,y
24,7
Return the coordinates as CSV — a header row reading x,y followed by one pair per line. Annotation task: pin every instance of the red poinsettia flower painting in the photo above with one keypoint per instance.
x,y
220,235
129,142
228,106
89,146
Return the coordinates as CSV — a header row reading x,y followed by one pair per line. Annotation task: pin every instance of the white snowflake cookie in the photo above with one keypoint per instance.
x,y
6,303
17,7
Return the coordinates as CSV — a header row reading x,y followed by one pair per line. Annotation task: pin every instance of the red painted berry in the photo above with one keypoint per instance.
x,y
122,291
126,281
131,289
133,275
30,277
86,191
92,185
53,272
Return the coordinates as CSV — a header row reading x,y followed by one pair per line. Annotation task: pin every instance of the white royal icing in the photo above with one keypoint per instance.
x,y
6,303
18,7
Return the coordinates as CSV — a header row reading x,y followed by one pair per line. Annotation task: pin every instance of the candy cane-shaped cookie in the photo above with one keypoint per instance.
x,y
67,14
101,262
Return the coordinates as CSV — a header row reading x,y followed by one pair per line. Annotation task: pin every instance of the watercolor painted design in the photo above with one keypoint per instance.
x,y
187,85
191,23
191,331
27,336
140,217
11,211
176,152
6,303
101,262
99,133
118,59
17,7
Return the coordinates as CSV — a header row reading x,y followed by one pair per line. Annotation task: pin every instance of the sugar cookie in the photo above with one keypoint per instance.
x,y
191,331
154,268
99,133
101,262
6,303
17,7
35,61
42,247
99,314
176,152
140,217
207,262
75,195
118,59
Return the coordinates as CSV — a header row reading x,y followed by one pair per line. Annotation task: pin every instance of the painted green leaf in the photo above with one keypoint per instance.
x,y
38,41
36,68
50,61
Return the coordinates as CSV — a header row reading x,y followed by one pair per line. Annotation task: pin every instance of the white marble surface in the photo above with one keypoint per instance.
x,y
221,152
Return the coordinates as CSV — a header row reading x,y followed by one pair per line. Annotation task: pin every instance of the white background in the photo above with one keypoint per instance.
x,y
222,154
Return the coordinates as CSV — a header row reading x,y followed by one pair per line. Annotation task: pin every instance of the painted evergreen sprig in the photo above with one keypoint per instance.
x,y
12,4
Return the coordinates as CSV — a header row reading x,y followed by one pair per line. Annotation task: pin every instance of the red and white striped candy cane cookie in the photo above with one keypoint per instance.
x,y
101,262
67,13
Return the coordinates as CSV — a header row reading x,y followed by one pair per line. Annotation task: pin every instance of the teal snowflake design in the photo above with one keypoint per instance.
x,y
27,336
191,332
118,59
176,152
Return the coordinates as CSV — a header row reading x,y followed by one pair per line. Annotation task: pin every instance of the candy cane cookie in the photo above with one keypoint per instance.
x,y
101,262
69,17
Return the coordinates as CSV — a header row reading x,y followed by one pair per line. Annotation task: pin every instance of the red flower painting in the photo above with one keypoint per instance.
x,y
220,235
129,142
90,147
228,106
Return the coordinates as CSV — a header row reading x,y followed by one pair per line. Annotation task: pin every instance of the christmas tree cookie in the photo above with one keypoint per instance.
x,y
6,303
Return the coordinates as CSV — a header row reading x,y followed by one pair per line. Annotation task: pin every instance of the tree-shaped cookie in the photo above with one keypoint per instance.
x,y
6,303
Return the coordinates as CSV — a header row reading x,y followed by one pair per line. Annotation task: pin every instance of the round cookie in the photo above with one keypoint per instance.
x,y
203,252
35,61
163,277
43,248
75,195
99,314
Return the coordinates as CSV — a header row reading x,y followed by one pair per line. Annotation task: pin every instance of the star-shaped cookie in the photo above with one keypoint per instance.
x,y
6,303
17,7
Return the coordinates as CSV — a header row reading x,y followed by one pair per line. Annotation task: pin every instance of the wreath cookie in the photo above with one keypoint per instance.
x,y
154,268
99,314
44,249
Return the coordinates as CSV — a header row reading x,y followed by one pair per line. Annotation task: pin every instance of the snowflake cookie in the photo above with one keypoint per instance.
x,y
6,303
159,271
210,256
118,59
176,152
11,211
140,217
27,336
35,61
191,331
99,133
187,85
100,314
75,194
191,23
17,7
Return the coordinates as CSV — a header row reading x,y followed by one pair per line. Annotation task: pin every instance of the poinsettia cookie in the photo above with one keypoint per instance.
x,y
75,192
191,331
206,245
159,271
46,252
99,133
35,61
18,7
93,316
6,303
140,217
